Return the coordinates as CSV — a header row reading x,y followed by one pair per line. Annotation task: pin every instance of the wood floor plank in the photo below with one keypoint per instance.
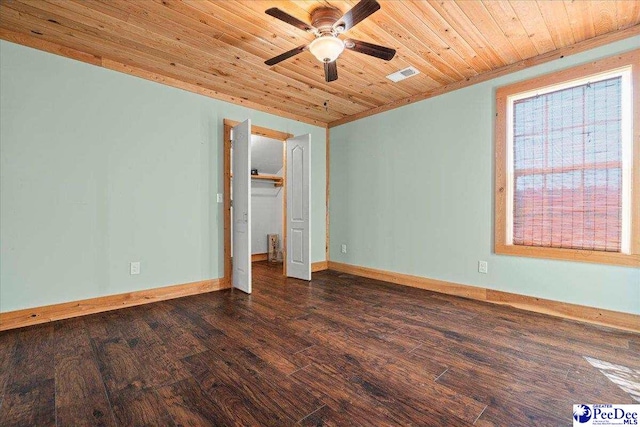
x,y
176,338
71,338
189,406
157,366
80,394
29,403
411,391
344,397
328,417
7,346
222,386
81,399
282,398
338,351
118,366
134,407
513,414
29,397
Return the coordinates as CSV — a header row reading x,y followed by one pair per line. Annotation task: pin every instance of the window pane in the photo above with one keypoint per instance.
x,y
568,168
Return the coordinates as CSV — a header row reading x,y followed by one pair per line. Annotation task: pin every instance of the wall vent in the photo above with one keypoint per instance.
x,y
403,74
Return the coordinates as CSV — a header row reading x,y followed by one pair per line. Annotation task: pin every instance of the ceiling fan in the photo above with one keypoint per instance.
x,y
327,23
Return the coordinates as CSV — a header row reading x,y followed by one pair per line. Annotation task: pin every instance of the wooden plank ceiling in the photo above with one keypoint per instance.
x,y
219,47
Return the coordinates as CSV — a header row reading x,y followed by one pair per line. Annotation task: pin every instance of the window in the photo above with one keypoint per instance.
x,y
567,156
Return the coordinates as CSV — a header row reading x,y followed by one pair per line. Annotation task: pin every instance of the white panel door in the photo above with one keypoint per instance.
x,y
298,207
241,192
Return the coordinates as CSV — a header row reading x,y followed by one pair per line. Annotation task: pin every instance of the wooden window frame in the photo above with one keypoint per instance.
x,y
501,247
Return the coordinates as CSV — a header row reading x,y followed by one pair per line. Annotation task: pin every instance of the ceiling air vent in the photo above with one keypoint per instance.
x,y
403,74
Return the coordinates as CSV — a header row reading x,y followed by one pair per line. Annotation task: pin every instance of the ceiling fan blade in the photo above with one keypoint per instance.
x,y
357,14
331,71
286,55
371,49
291,20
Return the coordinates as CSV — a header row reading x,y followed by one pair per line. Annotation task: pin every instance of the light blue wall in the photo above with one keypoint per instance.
x,y
99,168
412,192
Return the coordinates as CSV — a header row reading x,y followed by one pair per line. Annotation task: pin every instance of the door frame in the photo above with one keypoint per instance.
x,y
226,154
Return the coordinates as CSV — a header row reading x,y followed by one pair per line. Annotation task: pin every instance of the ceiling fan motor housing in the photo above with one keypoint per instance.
x,y
323,19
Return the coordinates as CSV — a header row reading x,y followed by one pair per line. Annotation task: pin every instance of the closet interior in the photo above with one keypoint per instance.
x,y
267,199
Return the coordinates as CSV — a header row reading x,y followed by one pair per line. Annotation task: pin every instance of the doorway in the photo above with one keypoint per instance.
x,y
268,204
276,181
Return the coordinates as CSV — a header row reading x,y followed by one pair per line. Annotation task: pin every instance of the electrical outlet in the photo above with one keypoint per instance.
x,y
219,198
483,267
343,249
134,268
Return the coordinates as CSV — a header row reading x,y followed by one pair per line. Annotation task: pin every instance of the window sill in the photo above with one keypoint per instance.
x,y
579,255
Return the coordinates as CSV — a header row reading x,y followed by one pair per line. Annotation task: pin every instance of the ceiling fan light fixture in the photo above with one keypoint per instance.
x,y
326,48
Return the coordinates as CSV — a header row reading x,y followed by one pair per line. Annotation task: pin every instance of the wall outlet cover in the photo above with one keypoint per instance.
x,y
219,198
134,267
483,267
343,249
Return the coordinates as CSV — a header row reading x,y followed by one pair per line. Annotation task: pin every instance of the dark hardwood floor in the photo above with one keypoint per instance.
x,y
338,351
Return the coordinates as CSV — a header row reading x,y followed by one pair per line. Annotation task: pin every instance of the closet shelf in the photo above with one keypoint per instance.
x,y
277,180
